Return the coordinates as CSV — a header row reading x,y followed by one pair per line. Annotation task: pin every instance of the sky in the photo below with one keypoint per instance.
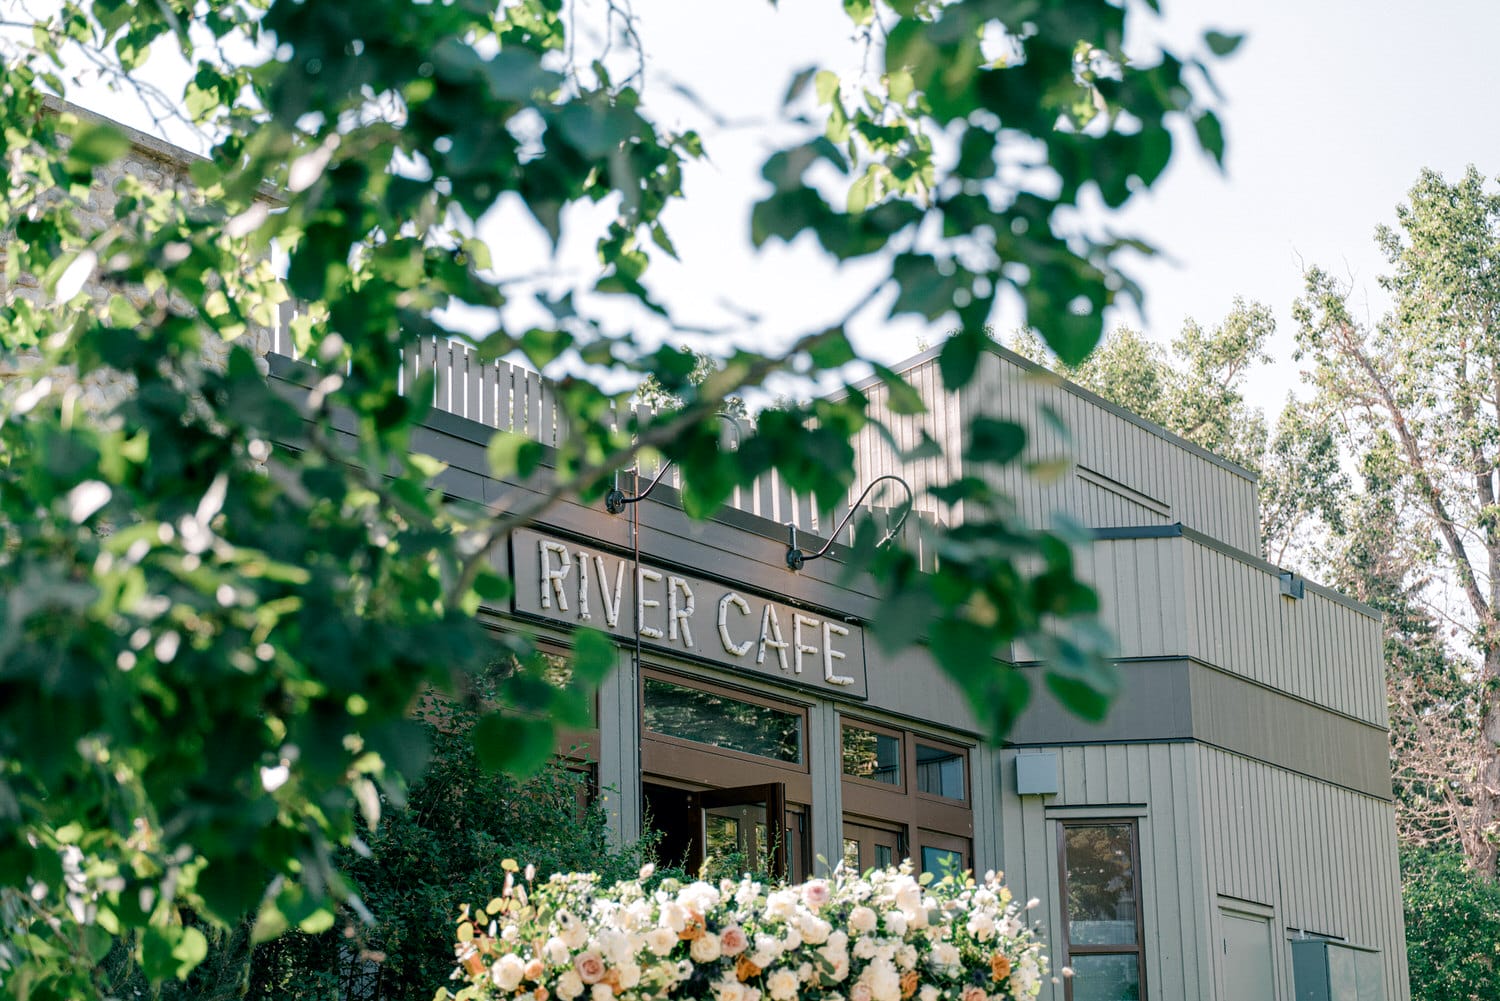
x,y
1330,109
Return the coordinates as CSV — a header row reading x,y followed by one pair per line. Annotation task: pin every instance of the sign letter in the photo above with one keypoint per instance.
x,y
770,627
831,629
679,614
553,577
642,602
611,608
730,646
799,648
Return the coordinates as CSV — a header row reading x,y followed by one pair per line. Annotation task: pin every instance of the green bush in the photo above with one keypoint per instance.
x,y
443,850
1452,927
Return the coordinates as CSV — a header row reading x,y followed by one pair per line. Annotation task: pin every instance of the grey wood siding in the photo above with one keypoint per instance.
x,y
1154,784
1114,470
1322,856
1179,597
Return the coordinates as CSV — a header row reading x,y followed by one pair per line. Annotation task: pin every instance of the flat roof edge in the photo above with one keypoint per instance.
x,y
1086,395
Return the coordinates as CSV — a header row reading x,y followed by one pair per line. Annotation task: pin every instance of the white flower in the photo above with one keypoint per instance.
x,y
895,923
569,986
781,905
601,992
906,957
572,931
814,929
661,940
885,982
864,947
927,993
782,985
791,940
838,940
506,973
705,949
727,988
862,920
700,897
982,925
629,974
556,951
674,916
945,955
767,950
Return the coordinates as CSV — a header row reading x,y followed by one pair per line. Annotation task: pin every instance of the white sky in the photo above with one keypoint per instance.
x,y
1331,108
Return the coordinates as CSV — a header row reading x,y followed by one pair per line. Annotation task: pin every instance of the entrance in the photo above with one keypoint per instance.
x,y
735,831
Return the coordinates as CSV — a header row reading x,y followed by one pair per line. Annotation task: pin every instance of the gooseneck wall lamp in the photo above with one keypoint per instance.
x,y
795,557
615,499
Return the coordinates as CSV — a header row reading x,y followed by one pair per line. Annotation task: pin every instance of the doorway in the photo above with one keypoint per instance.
x,y
735,830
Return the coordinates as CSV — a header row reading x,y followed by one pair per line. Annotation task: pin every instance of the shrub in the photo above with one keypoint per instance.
x,y
1452,926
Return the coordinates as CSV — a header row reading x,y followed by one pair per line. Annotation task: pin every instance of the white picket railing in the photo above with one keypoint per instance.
x,y
512,398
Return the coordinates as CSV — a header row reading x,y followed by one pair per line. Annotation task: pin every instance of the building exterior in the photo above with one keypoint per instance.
x,y
1227,829
1227,832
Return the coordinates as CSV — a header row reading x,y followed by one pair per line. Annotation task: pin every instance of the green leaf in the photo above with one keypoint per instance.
x,y
516,745
996,441
901,396
1222,44
594,655
861,12
959,358
1210,135
799,83
93,146
826,86
900,86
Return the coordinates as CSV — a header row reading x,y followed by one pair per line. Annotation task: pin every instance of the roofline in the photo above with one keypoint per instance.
x,y
1086,395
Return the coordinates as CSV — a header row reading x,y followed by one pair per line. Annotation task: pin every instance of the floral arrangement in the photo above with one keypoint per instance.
x,y
885,936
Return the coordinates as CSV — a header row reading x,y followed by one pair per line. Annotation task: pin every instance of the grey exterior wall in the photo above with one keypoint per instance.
x,y
1114,469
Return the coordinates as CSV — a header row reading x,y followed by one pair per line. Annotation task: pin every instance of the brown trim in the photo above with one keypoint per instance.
x,y
1068,949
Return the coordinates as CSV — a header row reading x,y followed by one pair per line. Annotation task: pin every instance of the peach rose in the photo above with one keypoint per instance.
x,y
733,941
999,966
909,983
972,993
534,969
590,967
860,992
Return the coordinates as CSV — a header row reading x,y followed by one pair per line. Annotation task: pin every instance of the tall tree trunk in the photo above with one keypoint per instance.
x,y
1484,852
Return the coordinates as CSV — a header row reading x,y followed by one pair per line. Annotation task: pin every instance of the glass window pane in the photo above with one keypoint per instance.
x,y
709,718
871,755
942,861
883,857
1101,885
1106,978
940,772
851,855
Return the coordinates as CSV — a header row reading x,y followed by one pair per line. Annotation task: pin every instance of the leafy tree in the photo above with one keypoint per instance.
x,y
218,610
1418,389
1452,927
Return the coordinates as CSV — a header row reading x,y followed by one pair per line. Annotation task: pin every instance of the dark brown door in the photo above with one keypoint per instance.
x,y
867,846
745,826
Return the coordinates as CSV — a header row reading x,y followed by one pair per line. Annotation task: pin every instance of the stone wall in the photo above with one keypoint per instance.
x,y
159,166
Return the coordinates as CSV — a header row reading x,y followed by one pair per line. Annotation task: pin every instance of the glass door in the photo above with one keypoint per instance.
x,y
742,829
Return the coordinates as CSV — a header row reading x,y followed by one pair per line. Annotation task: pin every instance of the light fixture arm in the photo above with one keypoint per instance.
x,y
615,499
795,557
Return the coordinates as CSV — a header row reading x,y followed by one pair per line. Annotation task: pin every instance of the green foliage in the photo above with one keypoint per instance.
x,y
222,600
1419,405
1452,926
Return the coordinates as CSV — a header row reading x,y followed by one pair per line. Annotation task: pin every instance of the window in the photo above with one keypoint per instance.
x,y
1100,865
940,771
710,718
871,755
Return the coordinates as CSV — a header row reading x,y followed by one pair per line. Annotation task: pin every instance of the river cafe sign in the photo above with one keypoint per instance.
x,y
580,585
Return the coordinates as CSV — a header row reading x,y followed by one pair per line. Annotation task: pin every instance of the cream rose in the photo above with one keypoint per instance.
x,y
782,985
589,966
705,949
569,986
